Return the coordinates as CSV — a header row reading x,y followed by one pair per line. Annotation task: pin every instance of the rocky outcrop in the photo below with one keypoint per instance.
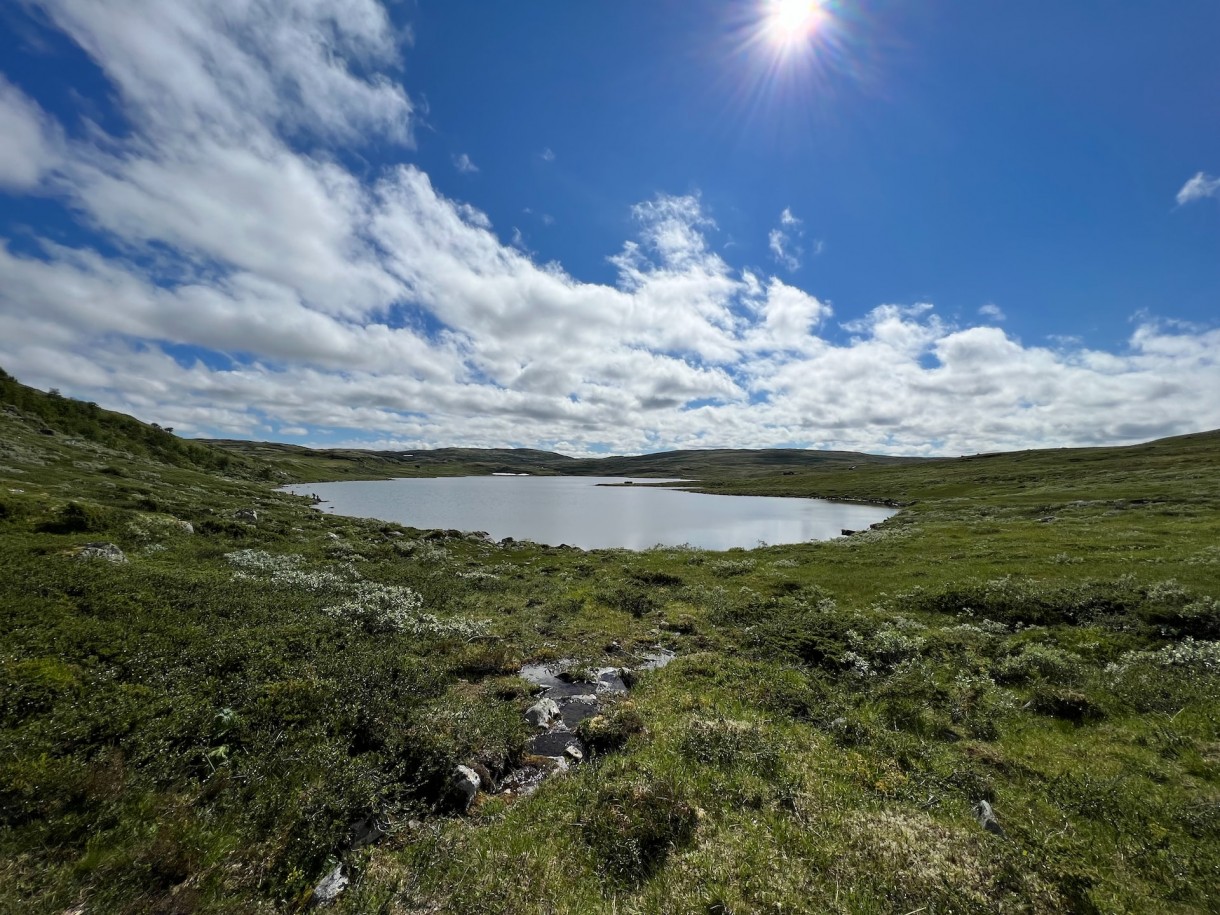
x,y
108,551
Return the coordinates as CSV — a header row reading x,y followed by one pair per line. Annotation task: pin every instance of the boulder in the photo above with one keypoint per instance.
x,y
248,515
466,784
107,551
542,713
329,888
986,816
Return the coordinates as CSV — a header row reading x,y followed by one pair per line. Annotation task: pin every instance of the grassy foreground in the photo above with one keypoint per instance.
x,y
213,724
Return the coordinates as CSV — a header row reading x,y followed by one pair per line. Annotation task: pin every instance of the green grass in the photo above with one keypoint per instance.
x,y
203,727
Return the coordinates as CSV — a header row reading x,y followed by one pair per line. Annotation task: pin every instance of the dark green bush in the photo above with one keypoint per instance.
x,y
633,827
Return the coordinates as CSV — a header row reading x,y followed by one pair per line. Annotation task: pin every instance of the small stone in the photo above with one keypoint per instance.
x,y
107,551
185,527
466,784
328,890
246,514
542,713
986,816
366,832
573,753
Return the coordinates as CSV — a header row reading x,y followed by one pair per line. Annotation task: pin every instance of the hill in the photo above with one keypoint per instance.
x,y
315,465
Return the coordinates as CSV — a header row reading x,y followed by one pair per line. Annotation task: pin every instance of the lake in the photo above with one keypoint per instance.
x,y
588,513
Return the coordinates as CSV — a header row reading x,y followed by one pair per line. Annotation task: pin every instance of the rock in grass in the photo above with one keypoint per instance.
x,y
329,888
986,817
248,515
107,551
466,784
542,713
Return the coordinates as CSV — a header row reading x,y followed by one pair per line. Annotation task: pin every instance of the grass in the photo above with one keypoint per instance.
x,y
212,724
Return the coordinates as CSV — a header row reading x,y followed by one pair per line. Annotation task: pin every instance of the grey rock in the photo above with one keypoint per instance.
x,y
107,551
466,784
329,888
573,753
184,527
246,514
366,832
542,713
986,816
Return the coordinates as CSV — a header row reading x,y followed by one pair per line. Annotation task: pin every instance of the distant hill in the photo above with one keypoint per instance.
x,y
713,464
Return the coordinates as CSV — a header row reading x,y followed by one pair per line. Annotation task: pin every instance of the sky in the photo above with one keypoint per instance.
x,y
897,226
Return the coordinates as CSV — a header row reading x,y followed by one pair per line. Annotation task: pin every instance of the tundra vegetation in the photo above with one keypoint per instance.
x,y
240,693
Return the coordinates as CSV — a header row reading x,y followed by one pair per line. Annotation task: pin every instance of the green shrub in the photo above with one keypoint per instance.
x,y
726,742
633,827
1040,662
80,518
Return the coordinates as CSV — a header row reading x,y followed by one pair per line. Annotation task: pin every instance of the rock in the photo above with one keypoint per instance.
x,y
329,888
248,515
107,551
986,816
573,753
847,531
333,536
366,832
542,713
466,784
1049,519
184,527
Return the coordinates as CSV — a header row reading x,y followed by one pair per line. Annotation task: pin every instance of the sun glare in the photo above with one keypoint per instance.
x,y
791,22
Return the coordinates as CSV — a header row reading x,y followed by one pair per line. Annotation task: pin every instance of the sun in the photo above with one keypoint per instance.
x,y
788,23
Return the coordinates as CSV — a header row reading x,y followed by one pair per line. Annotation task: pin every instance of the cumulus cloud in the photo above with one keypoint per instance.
x,y
242,278
464,164
993,311
1197,188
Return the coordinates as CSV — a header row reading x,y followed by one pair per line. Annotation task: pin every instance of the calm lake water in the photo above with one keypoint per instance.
x,y
580,512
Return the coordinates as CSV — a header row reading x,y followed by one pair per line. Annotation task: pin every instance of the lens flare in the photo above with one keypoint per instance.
x,y
790,23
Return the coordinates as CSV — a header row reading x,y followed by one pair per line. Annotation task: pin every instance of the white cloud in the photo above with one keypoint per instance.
x,y
1199,187
30,141
784,241
370,302
547,155
992,311
464,165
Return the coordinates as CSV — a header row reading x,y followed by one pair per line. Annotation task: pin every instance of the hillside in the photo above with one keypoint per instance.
x,y
315,465
214,698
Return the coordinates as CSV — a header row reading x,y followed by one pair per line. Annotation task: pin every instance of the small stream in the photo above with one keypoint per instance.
x,y
556,747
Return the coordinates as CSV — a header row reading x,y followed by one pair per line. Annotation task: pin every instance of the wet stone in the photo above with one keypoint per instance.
x,y
554,743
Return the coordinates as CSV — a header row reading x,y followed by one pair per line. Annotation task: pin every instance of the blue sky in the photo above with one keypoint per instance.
x,y
915,227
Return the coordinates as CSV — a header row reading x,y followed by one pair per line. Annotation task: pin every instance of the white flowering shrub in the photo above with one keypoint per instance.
x,y
262,561
1040,662
1187,655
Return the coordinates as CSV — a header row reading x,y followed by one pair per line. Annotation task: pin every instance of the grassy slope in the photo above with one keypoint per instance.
x,y
199,728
